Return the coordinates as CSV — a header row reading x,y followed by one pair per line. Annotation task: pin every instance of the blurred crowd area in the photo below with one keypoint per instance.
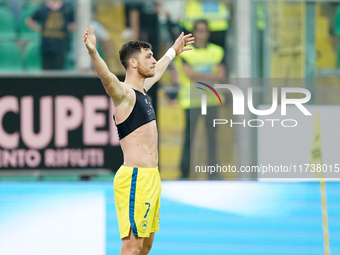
x,y
278,32
288,40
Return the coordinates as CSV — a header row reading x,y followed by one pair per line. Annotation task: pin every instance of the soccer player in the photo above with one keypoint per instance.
x,y
137,184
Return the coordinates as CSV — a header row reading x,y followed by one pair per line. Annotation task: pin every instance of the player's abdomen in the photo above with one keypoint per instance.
x,y
140,147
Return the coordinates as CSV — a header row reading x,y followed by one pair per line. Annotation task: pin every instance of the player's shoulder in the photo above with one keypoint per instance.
x,y
130,92
127,99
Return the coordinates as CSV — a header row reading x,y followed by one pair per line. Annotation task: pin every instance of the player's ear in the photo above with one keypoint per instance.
x,y
133,62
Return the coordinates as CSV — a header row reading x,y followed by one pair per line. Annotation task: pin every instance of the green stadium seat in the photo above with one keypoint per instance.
x,y
7,21
103,177
19,178
61,177
25,33
32,57
10,57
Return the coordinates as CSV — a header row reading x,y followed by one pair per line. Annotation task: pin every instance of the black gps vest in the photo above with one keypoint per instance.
x,y
141,114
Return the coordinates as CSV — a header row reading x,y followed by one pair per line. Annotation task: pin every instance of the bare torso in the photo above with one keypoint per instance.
x,y
140,146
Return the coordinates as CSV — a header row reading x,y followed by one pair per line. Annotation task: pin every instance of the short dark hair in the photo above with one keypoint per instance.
x,y
201,21
130,49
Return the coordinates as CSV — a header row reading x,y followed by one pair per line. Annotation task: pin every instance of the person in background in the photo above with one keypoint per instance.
x,y
105,45
142,22
16,8
170,13
55,21
216,13
204,62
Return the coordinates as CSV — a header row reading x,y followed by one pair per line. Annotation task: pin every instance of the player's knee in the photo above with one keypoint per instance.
x,y
133,248
135,251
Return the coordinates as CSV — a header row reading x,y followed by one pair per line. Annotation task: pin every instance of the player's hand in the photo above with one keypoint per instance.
x,y
183,41
90,40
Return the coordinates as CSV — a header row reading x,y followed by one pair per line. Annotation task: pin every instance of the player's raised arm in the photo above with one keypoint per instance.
x,y
113,86
179,46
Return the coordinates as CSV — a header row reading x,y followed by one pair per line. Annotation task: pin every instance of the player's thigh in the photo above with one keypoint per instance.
x,y
148,241
132,242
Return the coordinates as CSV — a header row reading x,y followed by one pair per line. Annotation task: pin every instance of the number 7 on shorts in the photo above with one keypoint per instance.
x,y
146,214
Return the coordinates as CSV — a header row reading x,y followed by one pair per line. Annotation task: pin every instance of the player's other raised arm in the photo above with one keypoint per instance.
x,y
112,85
176,49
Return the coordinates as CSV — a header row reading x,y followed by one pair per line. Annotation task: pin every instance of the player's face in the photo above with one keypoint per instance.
x,y
146,63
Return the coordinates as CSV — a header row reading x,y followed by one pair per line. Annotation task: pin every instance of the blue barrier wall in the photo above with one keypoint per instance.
x,y
196,218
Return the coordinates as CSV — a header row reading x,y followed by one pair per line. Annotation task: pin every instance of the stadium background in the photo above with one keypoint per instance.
x,y
67,207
